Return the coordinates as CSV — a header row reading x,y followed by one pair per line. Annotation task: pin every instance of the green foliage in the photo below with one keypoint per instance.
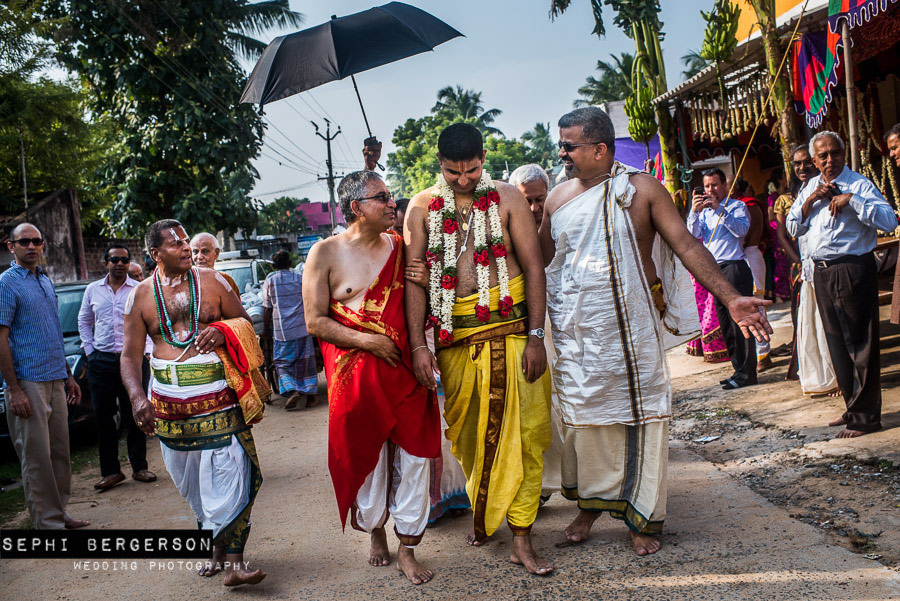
x,y
541,146
62,149
614,82
693,64
282,216
414,164
165,73
466,105
641,119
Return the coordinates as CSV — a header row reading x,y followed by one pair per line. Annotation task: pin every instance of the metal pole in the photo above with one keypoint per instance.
x,y
330,178
851,98
362,108
24,178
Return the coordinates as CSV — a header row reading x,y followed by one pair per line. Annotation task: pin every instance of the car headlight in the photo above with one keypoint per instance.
x,y
75,364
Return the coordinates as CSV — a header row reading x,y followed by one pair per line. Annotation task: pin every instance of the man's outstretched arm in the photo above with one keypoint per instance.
x,y
744,310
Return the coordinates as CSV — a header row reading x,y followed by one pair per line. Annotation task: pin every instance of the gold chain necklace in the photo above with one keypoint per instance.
x,y
462,215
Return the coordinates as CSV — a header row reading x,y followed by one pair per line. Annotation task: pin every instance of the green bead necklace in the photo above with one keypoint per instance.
x,y
165,327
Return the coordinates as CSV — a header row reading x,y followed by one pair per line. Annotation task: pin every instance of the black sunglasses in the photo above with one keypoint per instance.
x,y
24,242
569,147
117,260
383,198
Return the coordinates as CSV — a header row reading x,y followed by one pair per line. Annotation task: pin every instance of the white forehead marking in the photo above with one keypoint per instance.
x,y
129,303
172,231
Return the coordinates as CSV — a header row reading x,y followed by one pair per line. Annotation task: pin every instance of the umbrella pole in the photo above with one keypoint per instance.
x,y
362,108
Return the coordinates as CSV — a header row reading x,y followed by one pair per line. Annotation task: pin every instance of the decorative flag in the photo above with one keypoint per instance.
x,y
817,56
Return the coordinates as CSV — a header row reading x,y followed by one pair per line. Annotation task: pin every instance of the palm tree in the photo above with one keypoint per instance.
x,y
466,104
693,64
540,142
639,20
614,82
256,18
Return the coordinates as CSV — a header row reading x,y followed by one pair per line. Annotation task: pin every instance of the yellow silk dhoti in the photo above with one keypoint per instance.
x,y
497,422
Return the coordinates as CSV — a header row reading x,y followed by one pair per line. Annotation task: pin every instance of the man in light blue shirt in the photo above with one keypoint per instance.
x,y
721,223
840,213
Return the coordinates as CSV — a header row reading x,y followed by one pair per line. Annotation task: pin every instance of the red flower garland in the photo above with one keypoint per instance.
x,y
505,306
482,313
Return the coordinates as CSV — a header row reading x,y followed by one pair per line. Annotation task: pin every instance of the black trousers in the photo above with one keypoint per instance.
x,y
105,380
847,299
742,350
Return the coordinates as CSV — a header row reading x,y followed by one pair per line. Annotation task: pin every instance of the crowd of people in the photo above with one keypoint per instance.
x,y
822,239
436,316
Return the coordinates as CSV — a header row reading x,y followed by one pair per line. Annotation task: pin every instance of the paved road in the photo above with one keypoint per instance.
x,y
722,542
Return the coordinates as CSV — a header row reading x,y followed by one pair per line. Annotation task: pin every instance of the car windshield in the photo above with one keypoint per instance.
x,y
242,276
69,305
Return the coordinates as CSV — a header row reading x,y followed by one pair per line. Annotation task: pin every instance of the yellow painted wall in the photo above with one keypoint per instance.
x,y
748,15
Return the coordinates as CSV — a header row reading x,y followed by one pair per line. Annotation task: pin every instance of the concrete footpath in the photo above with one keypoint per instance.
x,y
722,541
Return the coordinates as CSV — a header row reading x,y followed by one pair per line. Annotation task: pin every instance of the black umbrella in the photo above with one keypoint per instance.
x,y
344,46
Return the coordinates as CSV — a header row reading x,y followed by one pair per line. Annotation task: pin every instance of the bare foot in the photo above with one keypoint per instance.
x,y
473,540
835,394
580,528
523,554
412,569
845,433
838,422
214,565
764,364
645,544
379,554
239,576
72,523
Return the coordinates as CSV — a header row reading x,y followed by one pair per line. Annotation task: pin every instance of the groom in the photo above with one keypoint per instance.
x,y
490,351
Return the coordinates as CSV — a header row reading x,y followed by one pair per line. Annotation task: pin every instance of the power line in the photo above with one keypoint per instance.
x,y
303,185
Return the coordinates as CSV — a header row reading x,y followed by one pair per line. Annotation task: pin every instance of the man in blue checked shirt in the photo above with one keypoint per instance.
x,y
292,349
38,381
722,222
840,212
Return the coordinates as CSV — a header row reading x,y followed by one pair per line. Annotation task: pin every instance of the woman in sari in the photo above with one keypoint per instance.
x,y
711,344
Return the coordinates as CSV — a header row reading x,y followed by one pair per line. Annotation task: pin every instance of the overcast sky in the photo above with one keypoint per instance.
x,y
524,64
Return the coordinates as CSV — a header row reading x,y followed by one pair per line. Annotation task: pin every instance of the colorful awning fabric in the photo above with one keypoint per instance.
x,y
816,56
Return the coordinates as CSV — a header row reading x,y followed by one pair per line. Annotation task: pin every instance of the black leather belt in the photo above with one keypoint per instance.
x,y
823,263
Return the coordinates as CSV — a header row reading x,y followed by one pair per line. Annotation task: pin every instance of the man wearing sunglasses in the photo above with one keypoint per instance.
x,y
101,325
38,381
614,313
840,213
383,425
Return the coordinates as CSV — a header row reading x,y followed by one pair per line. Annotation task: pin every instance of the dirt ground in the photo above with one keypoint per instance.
x,y
776,441
774,509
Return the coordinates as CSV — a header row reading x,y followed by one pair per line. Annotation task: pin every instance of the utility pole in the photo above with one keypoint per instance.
x,y
330,178
24,178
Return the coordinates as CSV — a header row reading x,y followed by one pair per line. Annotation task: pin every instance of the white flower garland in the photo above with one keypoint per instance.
x,y
442,231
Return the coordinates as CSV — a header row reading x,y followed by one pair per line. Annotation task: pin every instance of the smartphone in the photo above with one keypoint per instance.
x,y
698,191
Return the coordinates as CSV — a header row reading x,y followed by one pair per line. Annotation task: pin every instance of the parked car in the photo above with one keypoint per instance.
x,y
248,273
69,296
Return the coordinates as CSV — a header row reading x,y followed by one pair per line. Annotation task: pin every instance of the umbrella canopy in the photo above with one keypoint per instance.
x,y
342,47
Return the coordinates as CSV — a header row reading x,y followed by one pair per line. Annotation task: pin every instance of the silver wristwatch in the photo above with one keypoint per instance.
x,y
538,332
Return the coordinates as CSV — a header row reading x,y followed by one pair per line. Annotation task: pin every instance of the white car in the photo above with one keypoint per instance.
x,y
248,273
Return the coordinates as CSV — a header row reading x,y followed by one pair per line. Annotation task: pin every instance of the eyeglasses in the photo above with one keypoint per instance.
x,y
117,260
25,242
383,198
569,147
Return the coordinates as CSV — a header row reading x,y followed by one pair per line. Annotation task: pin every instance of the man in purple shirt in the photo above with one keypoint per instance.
x,y
101,324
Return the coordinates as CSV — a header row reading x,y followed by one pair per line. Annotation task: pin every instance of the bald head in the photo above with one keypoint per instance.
x,y
26,245
205,250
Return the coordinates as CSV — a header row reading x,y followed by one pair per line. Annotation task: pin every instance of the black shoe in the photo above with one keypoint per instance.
x,y
732,384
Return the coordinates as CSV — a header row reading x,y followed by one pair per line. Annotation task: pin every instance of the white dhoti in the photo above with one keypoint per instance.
x,y
610,331
207,448
758,268
397,486
813,360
